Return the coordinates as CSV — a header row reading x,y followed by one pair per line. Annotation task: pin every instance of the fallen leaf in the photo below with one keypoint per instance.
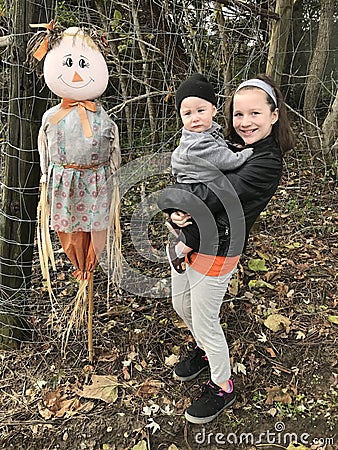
x,y
233,286
272,412
68,406
108,447
293,245
276,322
132,355
300,335
257,265
271,352
126,374
58,404
294,446
149,388
260,284
111,356
277,394
263,255
142,445
167,411
239,368
45,412
149,410
333,319
103,388
262,337
171,360
152,425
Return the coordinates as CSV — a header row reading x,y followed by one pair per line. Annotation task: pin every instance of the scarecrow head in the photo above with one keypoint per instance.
x,y
75,68
73,64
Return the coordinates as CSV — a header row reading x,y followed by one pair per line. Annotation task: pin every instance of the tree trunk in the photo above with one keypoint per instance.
x,y
225,62
316,70
21,177
279,39
330,132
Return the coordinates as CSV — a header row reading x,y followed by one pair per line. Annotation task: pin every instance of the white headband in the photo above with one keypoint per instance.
x,y
255,82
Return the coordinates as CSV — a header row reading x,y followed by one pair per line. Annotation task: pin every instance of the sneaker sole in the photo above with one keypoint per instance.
x,y
201,420
190,377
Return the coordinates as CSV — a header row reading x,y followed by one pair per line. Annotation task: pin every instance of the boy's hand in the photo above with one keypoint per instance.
x,y
180,218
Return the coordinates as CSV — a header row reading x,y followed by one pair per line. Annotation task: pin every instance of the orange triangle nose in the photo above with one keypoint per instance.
x,y
77,77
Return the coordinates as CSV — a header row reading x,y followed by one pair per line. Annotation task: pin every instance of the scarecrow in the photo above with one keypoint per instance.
x,y
79,152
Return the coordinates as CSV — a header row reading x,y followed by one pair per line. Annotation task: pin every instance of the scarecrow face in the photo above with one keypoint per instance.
x,y
76,68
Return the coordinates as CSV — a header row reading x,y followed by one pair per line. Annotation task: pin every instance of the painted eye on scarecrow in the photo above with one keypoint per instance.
x,y
68,62
83,63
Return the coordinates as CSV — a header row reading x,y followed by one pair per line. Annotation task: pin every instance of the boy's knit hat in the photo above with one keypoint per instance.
x,y
195,86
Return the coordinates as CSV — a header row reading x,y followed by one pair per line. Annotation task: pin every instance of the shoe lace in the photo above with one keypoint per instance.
x,y
207,390
195,352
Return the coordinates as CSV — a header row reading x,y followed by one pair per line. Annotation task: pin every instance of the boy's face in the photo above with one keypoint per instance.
x,y
197,114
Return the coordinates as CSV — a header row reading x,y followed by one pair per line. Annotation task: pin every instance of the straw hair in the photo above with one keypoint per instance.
x,y
46,253
114,245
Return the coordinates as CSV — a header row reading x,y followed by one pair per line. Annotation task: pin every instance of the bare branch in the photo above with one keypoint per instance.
x,y
302,117
256,9
116,109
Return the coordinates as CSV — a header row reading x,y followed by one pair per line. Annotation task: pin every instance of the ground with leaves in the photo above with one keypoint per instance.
x,y
280,317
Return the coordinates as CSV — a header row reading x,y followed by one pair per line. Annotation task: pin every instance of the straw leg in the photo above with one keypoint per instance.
x,y
90,318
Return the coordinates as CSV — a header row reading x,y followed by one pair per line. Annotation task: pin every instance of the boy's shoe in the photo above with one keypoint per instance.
x,y
210,403
191,367
176,263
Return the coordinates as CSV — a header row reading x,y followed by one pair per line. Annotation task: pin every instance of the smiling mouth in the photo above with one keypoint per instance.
x,y
73,85
248,131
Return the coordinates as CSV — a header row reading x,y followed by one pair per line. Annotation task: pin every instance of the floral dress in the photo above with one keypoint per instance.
x,y
79,170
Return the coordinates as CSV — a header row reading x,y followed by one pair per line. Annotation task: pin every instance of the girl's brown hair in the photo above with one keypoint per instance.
x,y
281,129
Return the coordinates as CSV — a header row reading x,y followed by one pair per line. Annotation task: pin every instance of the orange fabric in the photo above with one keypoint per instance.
x,y
43,47
84,166
83,249
67,104
212,266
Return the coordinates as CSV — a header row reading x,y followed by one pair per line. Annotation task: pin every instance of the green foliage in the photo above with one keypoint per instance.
x,y
66,15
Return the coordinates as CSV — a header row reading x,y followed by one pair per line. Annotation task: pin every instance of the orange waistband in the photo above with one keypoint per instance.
x,y
212,266
84,167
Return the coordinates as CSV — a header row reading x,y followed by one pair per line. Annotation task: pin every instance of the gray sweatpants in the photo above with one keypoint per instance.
x,y
197,299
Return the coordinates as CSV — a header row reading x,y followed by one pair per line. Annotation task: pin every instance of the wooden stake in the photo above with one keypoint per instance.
x,y
90,318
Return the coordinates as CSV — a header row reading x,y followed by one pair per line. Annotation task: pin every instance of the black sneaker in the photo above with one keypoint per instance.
x,y
176,263
191,367
210,403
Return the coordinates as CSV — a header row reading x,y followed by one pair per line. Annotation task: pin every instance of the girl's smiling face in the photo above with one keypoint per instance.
x,y
76,68
252,115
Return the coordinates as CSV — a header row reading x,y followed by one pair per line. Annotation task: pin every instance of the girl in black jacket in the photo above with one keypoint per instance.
x,y
224,212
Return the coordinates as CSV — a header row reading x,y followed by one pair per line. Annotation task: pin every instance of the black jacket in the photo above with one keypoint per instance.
x,y
226,209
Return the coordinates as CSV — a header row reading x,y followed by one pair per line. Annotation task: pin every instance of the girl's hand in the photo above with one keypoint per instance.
x,y
180,218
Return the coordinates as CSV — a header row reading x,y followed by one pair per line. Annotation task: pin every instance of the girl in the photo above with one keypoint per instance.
x,y
258,120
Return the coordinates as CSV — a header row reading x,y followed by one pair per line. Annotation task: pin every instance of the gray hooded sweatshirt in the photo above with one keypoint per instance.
x,y
201,156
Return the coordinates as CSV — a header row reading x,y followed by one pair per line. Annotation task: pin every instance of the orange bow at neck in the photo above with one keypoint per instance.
x,y
67,104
